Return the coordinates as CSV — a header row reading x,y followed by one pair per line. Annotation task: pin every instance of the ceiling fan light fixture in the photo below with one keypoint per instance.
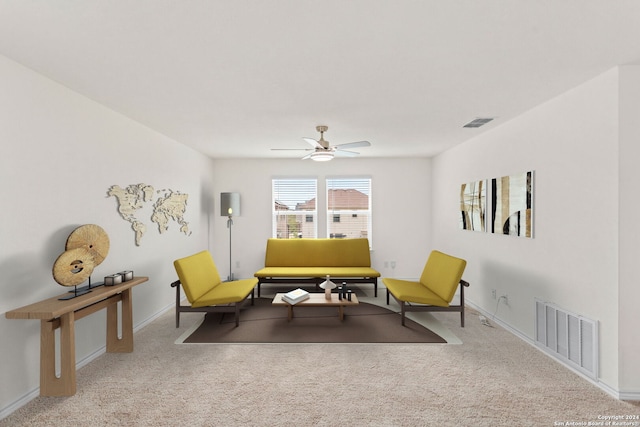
x,y
322,156
322,151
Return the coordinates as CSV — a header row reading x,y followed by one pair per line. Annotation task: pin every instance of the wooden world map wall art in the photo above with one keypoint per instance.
x,y
168,206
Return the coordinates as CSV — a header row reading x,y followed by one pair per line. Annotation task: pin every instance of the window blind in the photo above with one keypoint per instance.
x,y
349,208
294,208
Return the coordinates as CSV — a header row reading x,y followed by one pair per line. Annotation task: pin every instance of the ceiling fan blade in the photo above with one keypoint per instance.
x,y
313,142
308,156
354,144
345,153
291,149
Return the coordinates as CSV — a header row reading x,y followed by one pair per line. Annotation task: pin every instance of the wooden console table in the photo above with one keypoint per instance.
x,y
54,313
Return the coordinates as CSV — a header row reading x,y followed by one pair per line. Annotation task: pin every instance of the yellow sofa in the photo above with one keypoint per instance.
x,y
311,260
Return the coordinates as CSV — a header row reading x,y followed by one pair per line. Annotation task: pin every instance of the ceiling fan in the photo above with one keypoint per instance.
x,y
323,152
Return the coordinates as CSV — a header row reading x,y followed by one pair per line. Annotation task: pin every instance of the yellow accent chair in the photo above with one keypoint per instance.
x,y
437,286
205,291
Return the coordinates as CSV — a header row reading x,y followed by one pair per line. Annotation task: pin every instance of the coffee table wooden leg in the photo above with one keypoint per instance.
x,y
289,312
50,384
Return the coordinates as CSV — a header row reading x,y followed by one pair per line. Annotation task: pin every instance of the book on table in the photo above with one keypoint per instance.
x,y
295,296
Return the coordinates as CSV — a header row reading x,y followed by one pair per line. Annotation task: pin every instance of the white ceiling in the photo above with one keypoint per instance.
x,y
237,78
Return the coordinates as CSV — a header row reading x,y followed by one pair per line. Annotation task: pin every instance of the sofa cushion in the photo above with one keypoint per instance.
x,y
442,274
317,253
198,274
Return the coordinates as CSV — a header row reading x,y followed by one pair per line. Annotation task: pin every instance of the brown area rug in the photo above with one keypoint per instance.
x,y
264,323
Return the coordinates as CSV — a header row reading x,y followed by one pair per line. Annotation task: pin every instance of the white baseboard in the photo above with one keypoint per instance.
x,y
19,403
600,384
635,395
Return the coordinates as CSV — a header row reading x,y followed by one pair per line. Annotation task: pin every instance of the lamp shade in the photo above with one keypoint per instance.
x,y
229,204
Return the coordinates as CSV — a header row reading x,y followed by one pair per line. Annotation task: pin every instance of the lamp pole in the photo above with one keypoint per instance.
x,y
229,224
230,206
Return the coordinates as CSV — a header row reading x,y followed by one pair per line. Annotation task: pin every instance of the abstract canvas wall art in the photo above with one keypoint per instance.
x,y
473,202
512,205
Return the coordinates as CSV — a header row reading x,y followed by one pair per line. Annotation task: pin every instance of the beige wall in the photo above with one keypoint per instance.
x,y
629,292
572,144
403,237
60,154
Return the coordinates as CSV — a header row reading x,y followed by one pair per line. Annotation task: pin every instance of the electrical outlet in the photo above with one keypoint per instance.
x,y
505,298
393,264
493,293
386,264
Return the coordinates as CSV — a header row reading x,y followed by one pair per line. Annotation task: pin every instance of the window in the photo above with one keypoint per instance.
x,y
346,202
349,207
294,208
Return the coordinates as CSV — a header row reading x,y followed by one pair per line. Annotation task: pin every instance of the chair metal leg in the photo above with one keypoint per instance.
x,y
402,310
177,305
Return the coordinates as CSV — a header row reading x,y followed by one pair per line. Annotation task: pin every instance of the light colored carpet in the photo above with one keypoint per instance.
x,y
491,379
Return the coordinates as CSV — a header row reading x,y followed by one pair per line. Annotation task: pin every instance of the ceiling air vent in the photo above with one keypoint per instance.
x,y
478,122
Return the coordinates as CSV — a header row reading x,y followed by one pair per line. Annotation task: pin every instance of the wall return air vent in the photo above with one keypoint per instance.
x,y
478,122
568,337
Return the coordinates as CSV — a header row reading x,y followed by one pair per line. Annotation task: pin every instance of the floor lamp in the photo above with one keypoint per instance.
x,y
230,207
